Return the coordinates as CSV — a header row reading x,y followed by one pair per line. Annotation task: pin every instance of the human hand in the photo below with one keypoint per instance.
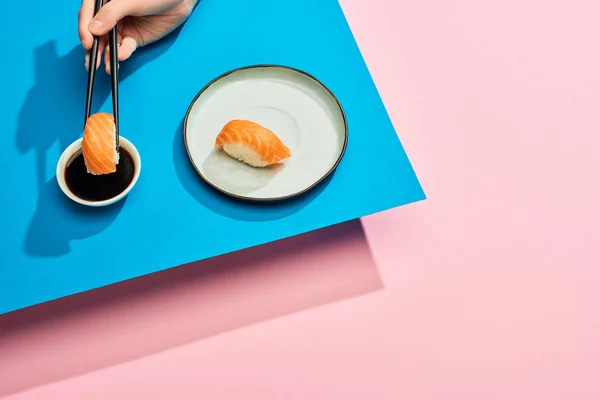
x,y
139,22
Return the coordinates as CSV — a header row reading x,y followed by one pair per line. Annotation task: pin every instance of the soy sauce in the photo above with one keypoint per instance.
x,y
99,187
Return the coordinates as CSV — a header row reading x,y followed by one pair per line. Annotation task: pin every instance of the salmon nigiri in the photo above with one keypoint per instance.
x,y
251,143
99,144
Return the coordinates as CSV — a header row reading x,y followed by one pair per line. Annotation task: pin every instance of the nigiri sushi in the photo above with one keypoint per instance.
x,y
251,143
99,144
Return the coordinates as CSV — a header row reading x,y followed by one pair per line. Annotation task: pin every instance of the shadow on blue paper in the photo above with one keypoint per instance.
x,y
53,112
58,221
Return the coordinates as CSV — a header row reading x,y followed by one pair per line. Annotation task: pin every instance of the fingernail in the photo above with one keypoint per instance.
x,y
87,62
96,25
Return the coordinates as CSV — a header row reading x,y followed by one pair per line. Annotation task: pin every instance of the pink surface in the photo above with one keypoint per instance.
x,y
487,290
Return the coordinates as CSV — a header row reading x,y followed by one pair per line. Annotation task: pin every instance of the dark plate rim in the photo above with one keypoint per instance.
x,y
269,199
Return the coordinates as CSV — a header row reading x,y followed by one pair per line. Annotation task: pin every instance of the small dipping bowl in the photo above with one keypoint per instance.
x,y
74,150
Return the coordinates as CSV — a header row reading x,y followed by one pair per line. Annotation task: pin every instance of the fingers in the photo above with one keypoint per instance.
x,y
127,45
85,15
111,13
101,47
107,58
107,54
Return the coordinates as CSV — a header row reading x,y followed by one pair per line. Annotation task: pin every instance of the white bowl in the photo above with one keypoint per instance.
x,y
73,149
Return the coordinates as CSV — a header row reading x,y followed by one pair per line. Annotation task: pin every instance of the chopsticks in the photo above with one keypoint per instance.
x,y
114,73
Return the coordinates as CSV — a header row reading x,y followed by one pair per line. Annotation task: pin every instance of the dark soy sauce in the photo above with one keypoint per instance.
x,y
99,187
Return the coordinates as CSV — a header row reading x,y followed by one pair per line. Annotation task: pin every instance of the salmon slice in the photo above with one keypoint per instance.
x,y
99,144
251,143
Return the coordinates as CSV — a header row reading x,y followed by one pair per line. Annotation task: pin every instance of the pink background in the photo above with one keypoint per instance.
x,y
490,289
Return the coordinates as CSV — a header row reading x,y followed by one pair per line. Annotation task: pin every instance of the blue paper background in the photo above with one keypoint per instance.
x,y
51,247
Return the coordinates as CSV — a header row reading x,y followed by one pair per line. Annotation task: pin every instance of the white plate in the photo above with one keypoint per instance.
x,y
296,106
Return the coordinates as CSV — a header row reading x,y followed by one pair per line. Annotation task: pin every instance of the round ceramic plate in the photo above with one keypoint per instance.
x,y
293,104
